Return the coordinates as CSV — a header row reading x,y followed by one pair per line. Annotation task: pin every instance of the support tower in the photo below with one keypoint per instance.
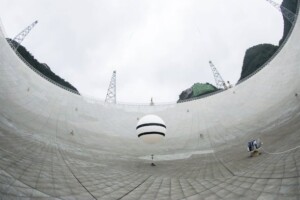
x,y
111,92
218,78
21,36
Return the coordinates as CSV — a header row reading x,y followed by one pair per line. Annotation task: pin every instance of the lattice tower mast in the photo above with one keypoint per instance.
x,y
22,35
289,15
220,83
111,92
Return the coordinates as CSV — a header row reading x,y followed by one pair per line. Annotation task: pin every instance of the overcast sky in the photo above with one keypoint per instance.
x,y
157,47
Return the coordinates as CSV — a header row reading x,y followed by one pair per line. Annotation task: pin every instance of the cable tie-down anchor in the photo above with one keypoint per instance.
x,y
152,164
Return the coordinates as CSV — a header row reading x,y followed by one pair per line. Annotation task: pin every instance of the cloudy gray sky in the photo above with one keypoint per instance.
x,y
158,47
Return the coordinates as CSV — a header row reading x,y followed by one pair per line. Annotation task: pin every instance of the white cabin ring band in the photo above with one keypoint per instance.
x,y
151,133
150,124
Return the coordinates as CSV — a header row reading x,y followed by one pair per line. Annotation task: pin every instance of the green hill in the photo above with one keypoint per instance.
x,y
41,67
292,6
197,90
255,57
258,55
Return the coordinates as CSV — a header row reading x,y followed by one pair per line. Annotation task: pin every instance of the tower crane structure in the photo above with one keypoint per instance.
x,y
22,35
289,15
111,92
220,83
